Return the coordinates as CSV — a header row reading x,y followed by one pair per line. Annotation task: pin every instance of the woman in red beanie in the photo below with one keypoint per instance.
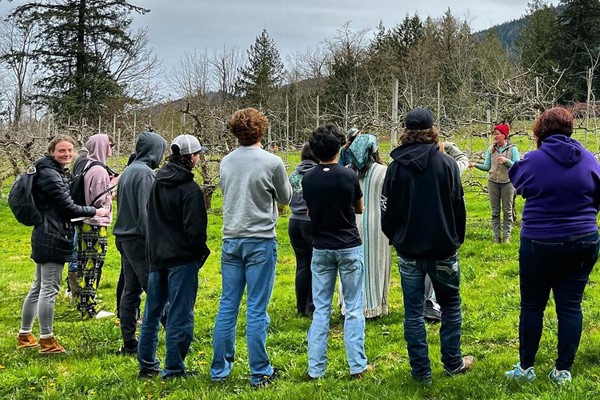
x,y
499,157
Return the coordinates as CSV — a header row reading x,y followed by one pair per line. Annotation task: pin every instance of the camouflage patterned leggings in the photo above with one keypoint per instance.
x,y
91,251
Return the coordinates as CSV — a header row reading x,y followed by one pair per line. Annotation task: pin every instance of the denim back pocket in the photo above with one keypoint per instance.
x,y
448,270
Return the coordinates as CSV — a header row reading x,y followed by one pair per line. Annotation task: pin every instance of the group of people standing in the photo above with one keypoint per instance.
x,y
346,209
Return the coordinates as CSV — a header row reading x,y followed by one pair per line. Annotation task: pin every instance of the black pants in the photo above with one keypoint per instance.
x,y
135,270
301,241
562,266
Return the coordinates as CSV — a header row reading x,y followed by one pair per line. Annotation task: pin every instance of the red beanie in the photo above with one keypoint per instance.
x,y
502,128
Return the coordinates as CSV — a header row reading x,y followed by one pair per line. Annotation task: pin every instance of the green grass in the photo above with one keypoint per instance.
x,y
490,294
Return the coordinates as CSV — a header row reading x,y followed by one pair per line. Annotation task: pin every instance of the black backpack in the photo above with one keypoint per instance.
x,y
20,199
76,185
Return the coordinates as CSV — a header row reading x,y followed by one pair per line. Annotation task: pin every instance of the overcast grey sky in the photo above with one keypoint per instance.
x,y
177,26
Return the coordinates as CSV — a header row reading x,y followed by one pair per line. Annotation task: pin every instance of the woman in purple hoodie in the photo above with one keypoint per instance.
x,y
92,234
560,182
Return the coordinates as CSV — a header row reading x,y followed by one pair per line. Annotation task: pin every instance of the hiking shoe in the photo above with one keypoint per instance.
x,y
26,341
266,380
521,374
560,377
50,346
360,375
146,374
433,311
467,364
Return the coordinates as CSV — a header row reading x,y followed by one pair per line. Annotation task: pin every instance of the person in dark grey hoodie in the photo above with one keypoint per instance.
x,y
423,215
299,231
130,230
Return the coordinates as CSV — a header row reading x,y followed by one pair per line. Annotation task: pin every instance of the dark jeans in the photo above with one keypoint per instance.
x,y
135,271
445,277
301,241
562,265
176,287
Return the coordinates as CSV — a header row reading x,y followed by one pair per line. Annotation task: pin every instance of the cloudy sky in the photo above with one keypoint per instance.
x,y
177,26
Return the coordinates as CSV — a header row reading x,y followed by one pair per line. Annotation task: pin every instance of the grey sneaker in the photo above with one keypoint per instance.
x,y
467,364
560,377
520,374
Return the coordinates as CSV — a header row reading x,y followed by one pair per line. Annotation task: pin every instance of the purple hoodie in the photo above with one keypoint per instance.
x,y
561,185
96,179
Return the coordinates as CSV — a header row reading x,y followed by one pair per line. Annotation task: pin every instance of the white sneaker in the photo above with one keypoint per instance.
x,y
104,314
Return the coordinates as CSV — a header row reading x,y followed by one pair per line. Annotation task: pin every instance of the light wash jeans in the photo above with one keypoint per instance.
x,y
245,262
41,299
176,288
326,264
445,277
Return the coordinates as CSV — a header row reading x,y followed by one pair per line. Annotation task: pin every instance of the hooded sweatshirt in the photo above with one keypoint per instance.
x,y
561,185
297,204
134,187
97,180
422,203
177,220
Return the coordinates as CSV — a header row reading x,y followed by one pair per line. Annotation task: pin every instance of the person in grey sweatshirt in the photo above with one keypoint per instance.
x,y
130,231
253,181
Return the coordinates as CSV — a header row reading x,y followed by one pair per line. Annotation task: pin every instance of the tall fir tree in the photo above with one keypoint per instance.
x,y
580,45
76,35
260,78
537,51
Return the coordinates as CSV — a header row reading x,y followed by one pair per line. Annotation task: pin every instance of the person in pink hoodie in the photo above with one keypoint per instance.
x,y
92,234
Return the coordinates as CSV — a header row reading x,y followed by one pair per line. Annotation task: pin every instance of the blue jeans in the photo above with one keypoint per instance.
x,y
245,262
325,266
176,287
563,266
445,277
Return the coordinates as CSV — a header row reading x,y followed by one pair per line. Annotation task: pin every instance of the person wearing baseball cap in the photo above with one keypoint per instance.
x,y
176,248
423,216
499,157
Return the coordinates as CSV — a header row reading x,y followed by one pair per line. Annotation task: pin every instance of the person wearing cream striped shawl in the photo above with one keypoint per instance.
x,y
365,160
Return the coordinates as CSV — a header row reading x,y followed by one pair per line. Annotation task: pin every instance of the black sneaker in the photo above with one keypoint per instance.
x,y
266,380
182,374
433,311
128,349
146,374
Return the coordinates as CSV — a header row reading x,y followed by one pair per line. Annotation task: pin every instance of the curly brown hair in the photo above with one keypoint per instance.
x,y
429,135
248,126
554,121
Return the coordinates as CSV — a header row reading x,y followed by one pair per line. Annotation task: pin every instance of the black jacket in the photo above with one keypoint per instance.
x,y
176,231
52,240
422,203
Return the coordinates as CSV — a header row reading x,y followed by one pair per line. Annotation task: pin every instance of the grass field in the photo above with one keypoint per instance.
x,y
490,316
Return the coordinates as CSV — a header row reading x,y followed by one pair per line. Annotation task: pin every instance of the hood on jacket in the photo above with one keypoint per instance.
x,y
150,148
305,166
172,175
564,150
98,147
415,156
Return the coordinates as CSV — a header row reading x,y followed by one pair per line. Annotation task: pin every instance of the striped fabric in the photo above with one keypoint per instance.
x,y
376,246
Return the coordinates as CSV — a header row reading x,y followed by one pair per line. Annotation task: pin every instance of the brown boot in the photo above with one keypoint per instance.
x,y
26,341
50,346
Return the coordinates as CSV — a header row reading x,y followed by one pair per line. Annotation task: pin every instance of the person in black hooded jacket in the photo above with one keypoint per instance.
x,y
51,243
176,249
423,215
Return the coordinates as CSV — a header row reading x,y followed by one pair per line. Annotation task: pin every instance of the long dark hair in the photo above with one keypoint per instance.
x,y
184,161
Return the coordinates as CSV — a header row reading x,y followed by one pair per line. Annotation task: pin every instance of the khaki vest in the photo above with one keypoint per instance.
x,y
499,172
